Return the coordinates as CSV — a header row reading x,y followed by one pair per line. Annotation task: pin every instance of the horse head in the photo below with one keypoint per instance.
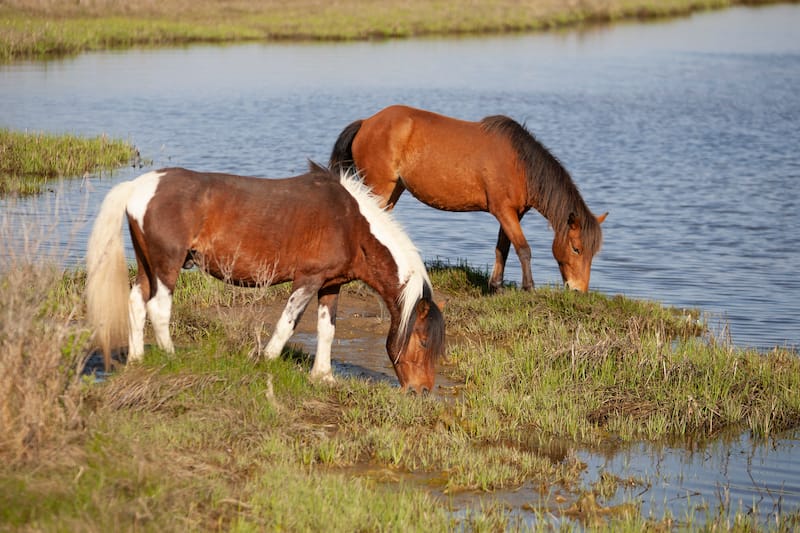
x,y
419,348
573,254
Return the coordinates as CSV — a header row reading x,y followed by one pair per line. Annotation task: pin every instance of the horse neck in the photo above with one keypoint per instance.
x,y
382,276
555,195
379,271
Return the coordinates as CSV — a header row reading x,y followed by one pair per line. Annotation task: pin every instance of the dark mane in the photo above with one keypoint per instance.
x,y
434,324
551,190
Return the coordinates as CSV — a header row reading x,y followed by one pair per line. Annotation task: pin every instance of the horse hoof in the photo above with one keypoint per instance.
x,y
324,378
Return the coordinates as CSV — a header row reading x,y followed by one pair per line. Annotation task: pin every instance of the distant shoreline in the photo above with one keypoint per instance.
x,y
46,29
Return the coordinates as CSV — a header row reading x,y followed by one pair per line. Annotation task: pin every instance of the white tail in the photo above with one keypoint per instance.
x,y
107,284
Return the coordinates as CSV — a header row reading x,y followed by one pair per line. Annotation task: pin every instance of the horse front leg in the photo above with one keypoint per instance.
x,y
287,323
326,328
512,230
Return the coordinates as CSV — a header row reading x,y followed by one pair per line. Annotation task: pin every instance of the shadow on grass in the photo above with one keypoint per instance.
x,y
458,277
94,365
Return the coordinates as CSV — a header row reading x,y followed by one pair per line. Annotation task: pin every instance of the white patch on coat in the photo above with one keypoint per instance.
x,y
159,309
410,269
145,188
286,325
137,313
325,333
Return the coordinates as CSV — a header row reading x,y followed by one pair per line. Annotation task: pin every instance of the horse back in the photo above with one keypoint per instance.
x,y
252,230
447,163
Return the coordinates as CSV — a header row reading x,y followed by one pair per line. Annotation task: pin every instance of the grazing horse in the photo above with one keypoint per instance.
x,y
494,165
319,230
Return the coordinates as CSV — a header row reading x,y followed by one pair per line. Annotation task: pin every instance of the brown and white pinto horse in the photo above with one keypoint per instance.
x,y
317,230
494,165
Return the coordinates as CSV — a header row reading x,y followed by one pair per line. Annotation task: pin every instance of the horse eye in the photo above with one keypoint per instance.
x,y
576,251
424,343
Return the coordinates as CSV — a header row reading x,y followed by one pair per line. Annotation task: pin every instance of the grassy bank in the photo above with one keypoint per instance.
x,y
29,160
210,439
47,28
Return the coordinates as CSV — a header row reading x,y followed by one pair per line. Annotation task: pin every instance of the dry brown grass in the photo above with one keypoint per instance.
x,y
40,353
146,389
42,345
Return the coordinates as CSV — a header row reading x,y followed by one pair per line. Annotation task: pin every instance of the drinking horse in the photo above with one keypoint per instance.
x,y
318,231
494,165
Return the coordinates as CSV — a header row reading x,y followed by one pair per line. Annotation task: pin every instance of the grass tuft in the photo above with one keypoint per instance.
x,y
29,160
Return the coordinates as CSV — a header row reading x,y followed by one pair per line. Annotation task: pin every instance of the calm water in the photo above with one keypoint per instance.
x,y
686,131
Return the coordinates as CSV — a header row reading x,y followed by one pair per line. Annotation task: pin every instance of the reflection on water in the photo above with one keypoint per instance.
x,y
733,473
685,130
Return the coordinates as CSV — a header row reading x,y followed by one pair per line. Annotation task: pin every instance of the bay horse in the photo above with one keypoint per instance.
x,y
318,231
494,165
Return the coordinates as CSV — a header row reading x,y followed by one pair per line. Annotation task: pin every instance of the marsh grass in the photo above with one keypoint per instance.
x,y
44,28
591,367
42,350
210,438
29,160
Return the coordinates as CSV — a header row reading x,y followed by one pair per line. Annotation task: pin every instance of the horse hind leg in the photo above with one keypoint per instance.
x,y
137,312
139,295
379,174
159,309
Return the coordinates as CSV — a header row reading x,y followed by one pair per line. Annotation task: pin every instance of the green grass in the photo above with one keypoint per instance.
x,y
210,439
589,368
29,160
42,29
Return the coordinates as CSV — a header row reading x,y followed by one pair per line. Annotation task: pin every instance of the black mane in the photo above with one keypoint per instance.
x,y
551,190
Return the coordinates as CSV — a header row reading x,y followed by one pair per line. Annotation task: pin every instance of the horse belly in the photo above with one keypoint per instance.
x,y
458,184
450,197
241,265
259,256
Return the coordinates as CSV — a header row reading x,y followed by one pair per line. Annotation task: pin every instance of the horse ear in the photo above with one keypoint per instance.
x,y
602,217
422,308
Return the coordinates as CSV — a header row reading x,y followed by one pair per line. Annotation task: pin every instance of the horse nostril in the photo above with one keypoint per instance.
x,y
426,391
569,287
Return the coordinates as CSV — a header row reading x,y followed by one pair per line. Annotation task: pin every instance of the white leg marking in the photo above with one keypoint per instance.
x,y
159,309
325,332
285,328
136,316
